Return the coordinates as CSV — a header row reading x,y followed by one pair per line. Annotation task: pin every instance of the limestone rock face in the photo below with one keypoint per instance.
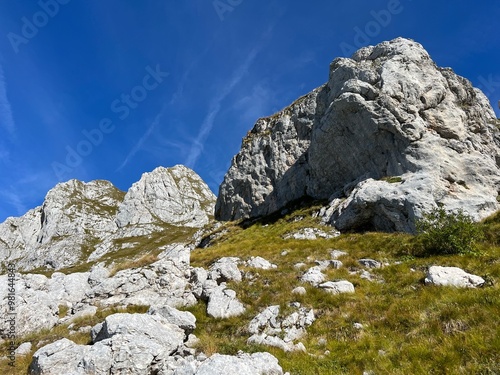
x,y
242,364
271,168
73,215
175,195
389,137
81,221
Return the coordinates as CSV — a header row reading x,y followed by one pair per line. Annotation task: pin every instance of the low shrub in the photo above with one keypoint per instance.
x,y
441,233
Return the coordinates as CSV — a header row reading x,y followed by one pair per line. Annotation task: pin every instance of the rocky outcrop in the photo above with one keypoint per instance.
x,y
389,137
142,344
73,216
268,328
222,303
161,284
176,196
82,221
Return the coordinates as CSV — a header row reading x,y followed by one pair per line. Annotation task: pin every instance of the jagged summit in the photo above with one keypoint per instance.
x,y
77,218
189,203
387,138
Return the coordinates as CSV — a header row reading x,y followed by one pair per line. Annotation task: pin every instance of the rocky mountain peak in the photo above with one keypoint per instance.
x,y
78,218
389,137
175,195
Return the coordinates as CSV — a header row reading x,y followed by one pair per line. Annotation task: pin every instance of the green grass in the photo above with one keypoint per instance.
x,y
410,328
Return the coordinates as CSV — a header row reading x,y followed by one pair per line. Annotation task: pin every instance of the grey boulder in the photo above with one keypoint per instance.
x,y
337,287
182,319
452,276
222,303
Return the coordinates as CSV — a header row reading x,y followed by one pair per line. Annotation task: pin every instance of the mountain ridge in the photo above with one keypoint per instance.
x,y
79,219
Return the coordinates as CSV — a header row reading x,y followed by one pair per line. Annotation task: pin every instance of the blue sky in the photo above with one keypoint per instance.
x,y
94,89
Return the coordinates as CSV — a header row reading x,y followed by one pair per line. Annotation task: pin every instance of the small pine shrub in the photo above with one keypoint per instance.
x,y
443,233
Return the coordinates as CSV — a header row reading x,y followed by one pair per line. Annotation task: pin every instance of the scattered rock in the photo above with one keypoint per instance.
x,y
335,254
60,357
242,364
222,303
364,274
266,320
24,349
311,234
324,264
452,276
313,276
182,319
300,290
337,287
164,282
370,263
142,344
225,269
260,263
192,341
268,329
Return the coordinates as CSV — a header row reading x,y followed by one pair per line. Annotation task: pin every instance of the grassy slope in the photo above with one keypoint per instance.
x,y
410,328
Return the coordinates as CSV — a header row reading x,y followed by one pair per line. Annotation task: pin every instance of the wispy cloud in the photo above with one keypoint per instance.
x,y
178,94
214,108
258,102
4,154
143,139
13,199
23,189
6,118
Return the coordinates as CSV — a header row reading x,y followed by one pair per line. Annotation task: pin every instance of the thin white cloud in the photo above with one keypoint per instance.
x,y
17,196
141,141
13,199
178,94
214,108
4,154
6,117
257,103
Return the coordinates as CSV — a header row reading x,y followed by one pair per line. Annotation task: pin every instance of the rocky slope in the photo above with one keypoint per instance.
x,y
158,342
80,221
324,304
387,138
